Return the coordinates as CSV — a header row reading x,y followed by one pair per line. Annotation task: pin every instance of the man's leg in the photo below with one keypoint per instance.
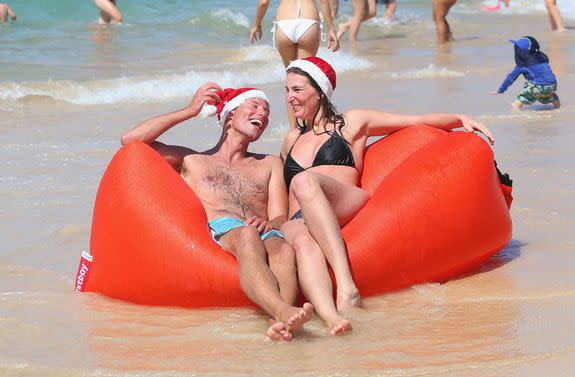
x,y
259,283
281,259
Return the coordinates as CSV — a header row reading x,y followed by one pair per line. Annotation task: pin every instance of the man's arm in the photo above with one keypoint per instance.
x,y
149,130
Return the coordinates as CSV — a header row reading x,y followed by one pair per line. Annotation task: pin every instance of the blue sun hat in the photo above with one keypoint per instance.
x,y
524,44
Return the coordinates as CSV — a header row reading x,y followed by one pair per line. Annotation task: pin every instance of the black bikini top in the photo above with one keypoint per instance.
x,y
334,151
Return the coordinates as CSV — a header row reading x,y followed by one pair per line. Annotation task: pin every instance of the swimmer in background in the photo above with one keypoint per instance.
x,y
5,11
109,13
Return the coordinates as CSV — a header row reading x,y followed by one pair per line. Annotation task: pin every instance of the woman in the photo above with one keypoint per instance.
x,y
297,30
323,161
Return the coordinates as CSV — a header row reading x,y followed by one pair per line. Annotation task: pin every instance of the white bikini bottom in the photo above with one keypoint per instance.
x,y
295,28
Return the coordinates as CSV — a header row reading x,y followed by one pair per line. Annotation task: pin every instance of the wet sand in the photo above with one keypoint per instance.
x,y
512,317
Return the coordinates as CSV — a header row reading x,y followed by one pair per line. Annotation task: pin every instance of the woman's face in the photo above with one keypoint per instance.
x,y
302,96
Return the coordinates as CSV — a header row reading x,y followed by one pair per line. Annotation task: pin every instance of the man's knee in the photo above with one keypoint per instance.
x,y
286,255
304,186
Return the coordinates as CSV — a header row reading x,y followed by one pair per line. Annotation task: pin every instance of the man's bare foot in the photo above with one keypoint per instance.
x,y
348,300
295,317
278,331
338,325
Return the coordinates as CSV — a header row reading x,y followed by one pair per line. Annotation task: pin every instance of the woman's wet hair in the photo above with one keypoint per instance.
x,y
330,114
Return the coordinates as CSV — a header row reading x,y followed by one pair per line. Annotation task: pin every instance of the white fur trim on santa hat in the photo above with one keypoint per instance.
x,y
208,110
316,73
239,100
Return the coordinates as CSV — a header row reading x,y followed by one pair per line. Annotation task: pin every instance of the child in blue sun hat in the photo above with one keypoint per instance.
x,y
541,83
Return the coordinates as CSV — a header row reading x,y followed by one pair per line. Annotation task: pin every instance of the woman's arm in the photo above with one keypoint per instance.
x,y
256,32
333,41
277,195
367,122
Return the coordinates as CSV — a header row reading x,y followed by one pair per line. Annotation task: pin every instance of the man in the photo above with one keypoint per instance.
x,y
244,196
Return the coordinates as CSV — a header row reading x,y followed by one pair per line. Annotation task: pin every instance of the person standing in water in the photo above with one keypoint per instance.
x,y
440,10
297,31
555,19
109,12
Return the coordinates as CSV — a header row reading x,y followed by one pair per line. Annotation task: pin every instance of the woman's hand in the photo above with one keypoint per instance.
x,y
255,33
471,125
333,41
259,223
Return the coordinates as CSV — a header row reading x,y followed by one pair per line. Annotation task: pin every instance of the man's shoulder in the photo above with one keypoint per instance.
x,y
265,158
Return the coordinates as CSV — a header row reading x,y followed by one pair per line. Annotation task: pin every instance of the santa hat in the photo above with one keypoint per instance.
x,y
319,70
229,100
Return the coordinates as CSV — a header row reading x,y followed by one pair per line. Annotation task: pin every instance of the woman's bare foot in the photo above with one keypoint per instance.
x,y
341,29
347,299
278,331
295,317
338,325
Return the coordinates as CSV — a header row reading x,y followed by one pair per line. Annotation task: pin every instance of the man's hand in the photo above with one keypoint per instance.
x,y
205,93
259,223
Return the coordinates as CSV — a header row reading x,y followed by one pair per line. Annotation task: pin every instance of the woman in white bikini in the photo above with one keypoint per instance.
x,y
298,28
297,31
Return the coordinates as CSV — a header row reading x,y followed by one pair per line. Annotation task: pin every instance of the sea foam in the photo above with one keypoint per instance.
x,y
264,68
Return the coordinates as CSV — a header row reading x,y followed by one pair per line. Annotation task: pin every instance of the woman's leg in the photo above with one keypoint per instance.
x,y
360,13
440,10
108,11
555,19
326,205
390,10
313,275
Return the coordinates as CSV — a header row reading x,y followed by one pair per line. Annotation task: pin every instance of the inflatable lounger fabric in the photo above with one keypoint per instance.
x,y
437,210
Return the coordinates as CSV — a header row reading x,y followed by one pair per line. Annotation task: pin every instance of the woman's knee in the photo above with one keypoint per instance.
x,y
550,3
304,186
305,246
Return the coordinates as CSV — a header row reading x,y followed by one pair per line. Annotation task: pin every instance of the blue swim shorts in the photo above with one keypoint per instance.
x,y
222,225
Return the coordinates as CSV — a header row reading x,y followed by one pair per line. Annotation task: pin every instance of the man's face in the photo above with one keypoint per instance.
x,y
251,118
